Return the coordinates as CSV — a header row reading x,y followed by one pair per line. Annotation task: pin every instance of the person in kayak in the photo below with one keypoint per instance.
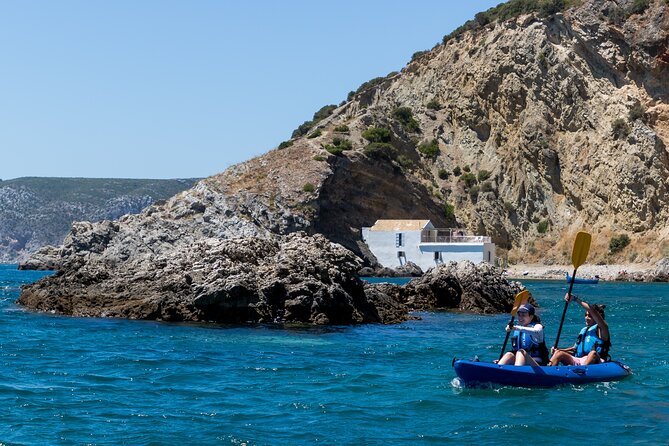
x,y
593,341
527,342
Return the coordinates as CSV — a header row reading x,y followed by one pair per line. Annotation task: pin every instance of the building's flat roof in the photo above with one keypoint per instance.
x,y
400,225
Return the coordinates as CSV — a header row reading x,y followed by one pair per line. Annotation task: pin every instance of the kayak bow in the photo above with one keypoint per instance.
x,y
583,280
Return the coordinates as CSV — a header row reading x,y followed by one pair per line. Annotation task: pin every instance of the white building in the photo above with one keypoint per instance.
x,y
395,242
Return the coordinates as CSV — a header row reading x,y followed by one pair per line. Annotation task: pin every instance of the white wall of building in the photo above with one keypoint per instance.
x,y
384,245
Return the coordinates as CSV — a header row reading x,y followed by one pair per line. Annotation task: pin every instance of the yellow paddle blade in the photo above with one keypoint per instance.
x,y
521,298
581,249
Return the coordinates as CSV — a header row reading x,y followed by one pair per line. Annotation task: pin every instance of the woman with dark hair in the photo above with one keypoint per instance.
x,y
527,342
593,342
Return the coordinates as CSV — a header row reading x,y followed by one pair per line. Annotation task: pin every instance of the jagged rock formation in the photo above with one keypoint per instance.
x,y
39,211
462,286
249,279
529,109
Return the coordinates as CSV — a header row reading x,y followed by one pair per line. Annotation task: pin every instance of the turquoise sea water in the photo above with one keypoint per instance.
x,y
108,381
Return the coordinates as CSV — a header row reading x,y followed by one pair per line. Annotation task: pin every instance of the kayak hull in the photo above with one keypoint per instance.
x,y
487,374
581,280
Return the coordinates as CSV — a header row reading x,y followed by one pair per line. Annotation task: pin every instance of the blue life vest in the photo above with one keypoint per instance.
x,y
523,339
588,340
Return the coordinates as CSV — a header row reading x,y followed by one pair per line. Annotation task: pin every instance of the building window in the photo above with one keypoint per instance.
x,y
437,255
401,254
398,240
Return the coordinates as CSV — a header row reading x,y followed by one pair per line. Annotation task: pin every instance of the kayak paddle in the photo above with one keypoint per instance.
x,y
578,256
521,298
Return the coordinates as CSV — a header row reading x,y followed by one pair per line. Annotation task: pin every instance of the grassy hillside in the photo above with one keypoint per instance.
x,y
39,211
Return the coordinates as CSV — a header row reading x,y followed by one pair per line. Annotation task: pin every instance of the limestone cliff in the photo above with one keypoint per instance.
x,y
555,124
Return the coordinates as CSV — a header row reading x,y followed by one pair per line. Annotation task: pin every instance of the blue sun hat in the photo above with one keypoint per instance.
x,y
526,307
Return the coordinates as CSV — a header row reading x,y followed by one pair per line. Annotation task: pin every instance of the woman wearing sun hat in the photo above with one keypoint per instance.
x,y
527,342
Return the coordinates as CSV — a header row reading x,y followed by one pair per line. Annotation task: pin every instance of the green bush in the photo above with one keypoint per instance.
x,y
319,158
417,54
619,243
315,134
638,7
509,206
617,15
404,161
469,179
457,171
638,111
285,145
620,129
429,149
467,169
380,150
449,211
483,175
342,129
486,186
308,187
333,150
542,226
321,114
369,84
550,7
404,116
474,192
444,174
482,18
324,112
377,134
435,105
338,146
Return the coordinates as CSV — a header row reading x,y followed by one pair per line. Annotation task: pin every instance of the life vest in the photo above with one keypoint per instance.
x,y
588,340
524,340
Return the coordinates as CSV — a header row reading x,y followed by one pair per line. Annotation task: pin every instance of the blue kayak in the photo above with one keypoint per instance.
x,y
487,374
581,279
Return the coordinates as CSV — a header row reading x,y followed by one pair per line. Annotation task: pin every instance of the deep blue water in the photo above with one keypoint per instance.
x,y
109,381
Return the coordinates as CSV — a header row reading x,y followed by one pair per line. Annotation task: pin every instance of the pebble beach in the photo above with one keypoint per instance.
x,y
605,272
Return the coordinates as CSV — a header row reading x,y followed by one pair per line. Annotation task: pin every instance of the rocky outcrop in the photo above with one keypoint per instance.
x,y
461,286
296,279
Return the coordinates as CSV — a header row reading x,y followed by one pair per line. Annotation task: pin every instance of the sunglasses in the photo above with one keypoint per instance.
x,y
522,313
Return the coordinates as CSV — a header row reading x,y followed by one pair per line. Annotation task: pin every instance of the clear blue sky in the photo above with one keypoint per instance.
x,y
174,89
